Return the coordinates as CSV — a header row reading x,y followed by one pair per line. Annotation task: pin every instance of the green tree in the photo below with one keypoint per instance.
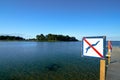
x,y
51,37
11,38
41,37
54,37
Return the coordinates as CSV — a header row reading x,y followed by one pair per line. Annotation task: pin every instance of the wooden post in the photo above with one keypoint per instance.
x,y
102,69
109,57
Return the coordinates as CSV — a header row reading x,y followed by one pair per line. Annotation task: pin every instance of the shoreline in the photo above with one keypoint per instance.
x,y
33,41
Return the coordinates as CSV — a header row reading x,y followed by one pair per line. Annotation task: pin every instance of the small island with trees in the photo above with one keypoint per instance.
x,y
11,38
54,37
41,37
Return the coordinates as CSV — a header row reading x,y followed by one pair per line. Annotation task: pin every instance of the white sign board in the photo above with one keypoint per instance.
x,y
93,46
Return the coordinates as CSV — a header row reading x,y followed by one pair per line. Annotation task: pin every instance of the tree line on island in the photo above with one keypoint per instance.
x,y
54,37
3,37
41,37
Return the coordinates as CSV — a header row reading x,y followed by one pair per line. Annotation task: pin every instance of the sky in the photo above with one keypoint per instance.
x,y
78,18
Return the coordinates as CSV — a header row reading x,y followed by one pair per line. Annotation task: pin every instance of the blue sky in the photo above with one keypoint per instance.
x,y
78,18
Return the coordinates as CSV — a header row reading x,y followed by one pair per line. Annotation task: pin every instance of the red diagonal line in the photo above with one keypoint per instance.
x,y
93,48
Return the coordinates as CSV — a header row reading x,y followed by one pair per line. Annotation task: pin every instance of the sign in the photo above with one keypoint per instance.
x,y
94,46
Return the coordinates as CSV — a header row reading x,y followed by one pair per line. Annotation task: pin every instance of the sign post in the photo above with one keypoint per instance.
x,y
95,47
102,69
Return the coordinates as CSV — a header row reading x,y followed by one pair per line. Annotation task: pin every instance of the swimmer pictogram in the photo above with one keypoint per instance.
x,y
91,45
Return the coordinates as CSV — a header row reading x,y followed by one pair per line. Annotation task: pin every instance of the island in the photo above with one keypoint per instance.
x,y
40,37
54,37
11,38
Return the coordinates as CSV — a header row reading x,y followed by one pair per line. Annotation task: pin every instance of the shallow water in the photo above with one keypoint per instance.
x,y
46,61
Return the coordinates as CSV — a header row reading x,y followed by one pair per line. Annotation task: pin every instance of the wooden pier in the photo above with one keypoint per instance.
x,y
113,70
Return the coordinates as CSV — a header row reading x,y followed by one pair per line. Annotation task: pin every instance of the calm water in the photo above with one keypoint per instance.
x,y
116,43
46,61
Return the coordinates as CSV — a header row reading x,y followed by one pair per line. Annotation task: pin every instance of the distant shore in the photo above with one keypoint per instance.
x,y
33,41
41,37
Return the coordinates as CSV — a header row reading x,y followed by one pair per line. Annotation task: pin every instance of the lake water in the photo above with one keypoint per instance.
x,y
46,61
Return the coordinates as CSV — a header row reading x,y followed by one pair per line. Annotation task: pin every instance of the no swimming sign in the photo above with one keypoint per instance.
x,y
94,46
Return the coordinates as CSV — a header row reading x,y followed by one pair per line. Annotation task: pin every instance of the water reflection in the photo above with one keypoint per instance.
x,y
46,61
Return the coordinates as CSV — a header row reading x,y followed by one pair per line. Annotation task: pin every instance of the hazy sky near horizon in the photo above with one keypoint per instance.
x,y
78,18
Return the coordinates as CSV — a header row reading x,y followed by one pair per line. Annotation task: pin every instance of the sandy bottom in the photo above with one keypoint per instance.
x,y
64,68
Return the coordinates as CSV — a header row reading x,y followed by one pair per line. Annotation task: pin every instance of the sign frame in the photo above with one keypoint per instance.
x,y
95,37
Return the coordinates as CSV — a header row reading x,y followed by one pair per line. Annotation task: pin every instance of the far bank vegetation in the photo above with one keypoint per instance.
x,y
41,37
54,37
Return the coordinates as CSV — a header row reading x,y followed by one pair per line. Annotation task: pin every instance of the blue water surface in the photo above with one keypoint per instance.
x,y
46,61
